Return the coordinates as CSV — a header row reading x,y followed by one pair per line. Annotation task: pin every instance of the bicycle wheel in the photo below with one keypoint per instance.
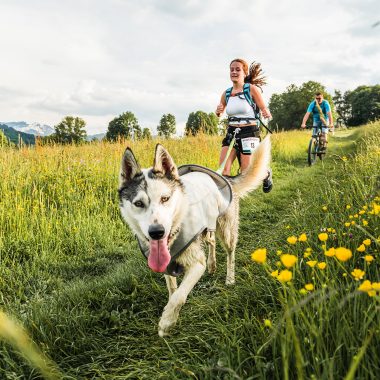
x,y
311,152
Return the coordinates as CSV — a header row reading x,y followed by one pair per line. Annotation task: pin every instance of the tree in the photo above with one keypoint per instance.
x,y
125,125
342,106
167,126
146,134
200,121
289,107
69,130
365,104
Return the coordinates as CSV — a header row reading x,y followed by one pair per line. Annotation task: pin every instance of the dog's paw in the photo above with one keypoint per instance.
x,y
211,267
162,333
164,326
230,281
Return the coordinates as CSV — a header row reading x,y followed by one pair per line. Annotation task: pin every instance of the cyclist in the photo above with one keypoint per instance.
x,y
322,117
243,103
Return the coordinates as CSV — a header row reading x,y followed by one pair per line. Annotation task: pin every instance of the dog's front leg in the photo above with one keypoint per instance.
x,y
178,298
211,259
171,283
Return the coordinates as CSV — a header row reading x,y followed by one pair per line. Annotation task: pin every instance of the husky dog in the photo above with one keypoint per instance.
x,y
174,212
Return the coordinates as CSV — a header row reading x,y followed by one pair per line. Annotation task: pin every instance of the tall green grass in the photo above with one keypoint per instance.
x,y
72,273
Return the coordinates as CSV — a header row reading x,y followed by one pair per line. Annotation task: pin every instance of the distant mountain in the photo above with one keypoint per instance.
x,y
98,136
35,129
14,136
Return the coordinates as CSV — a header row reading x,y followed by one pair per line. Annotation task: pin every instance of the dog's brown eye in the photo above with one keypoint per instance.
x,y
164,199
139,204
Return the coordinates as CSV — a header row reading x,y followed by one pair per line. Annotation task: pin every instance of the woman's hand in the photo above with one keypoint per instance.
x,y
219,109
266,113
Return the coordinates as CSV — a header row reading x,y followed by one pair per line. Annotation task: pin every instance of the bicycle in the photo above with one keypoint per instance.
x,y
315,148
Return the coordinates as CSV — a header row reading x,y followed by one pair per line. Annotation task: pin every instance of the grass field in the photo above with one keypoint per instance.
x,y
306,303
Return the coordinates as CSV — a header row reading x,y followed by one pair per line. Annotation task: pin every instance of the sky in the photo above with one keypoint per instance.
x,y
97,59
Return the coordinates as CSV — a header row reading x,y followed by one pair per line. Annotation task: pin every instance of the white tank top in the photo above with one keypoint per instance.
x,y
238,106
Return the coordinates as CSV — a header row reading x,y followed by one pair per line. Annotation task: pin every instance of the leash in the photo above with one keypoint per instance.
x,y
221,167
265,126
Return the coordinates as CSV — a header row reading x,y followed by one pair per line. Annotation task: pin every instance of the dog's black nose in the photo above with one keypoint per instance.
x,y
156,231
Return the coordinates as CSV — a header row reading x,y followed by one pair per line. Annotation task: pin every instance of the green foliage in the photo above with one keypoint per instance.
x,y
364,102
146,134
70,130
124,126
4,141
342,107
200,121
167,126
359,106
289,108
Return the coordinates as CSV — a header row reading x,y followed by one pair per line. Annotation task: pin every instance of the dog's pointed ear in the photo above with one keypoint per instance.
x,y
129,167
163,163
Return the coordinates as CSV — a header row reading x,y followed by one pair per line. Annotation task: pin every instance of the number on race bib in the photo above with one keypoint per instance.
x,y
249,144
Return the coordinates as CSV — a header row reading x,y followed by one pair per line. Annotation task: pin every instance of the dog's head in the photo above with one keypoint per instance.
x,y
151,203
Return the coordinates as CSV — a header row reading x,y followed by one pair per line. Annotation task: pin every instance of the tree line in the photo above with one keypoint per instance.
x,y
350,108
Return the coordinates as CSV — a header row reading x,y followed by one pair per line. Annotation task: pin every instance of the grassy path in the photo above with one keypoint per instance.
x,y
268,214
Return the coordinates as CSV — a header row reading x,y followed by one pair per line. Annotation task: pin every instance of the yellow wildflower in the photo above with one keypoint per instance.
x,y
361,212
308,249
312,263
376,208
348,207
260,255
361,248
303,291
285,275
330,252
358,274
368,258
288,260
309,287
274,273
267,323
343,254
365,286
364,223
302,237
306,254
344,159
376,286
353,222
347,224
279,252
322,265
371,293
364,207
367,242
350,216
324,208
287,227
323,236
292,240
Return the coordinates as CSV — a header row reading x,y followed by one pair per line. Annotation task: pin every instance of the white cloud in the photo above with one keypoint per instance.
x,y
96,59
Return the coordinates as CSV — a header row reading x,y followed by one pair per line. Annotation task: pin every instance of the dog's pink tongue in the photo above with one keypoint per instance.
x,y
159,256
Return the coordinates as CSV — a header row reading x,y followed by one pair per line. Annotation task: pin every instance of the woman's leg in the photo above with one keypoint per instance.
x,y
230,159
245,159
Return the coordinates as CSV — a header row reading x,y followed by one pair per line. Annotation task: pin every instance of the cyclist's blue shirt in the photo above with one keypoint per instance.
x,y
313,109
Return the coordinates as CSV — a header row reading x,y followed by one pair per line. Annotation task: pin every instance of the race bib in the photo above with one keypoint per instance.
x,y
249,144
